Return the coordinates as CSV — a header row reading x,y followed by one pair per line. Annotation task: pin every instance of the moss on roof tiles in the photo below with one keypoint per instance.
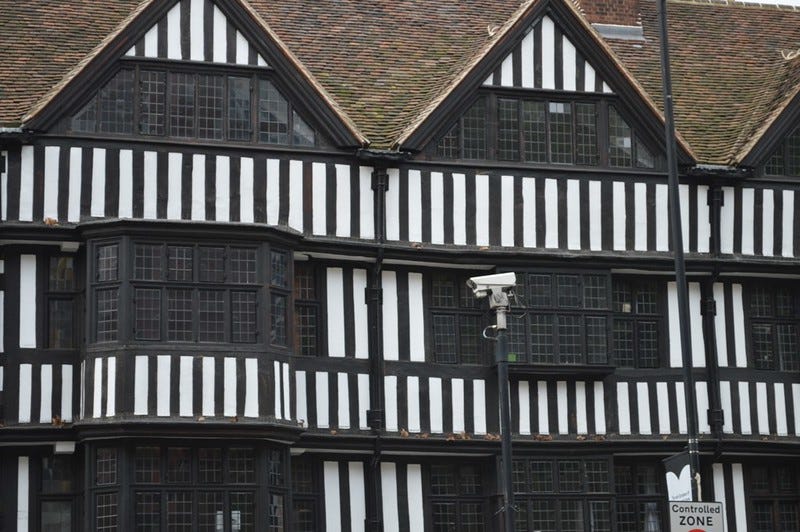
x,y
727,69
43,41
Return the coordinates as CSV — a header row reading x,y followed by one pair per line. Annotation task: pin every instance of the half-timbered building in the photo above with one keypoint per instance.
x,y
234,238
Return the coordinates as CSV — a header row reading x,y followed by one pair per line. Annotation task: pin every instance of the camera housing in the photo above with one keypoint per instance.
x,y
484,285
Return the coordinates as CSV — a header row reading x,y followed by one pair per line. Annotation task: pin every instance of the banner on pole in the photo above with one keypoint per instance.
x,y
679,477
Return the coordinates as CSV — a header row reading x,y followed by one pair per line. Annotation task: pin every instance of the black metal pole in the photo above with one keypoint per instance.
x,y
501,357
677,250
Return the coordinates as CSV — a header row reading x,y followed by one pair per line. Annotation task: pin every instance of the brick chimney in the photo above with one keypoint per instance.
x,y
612,18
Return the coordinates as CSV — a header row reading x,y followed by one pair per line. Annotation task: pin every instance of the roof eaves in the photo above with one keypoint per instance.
x,y
501,32
324,94
43,102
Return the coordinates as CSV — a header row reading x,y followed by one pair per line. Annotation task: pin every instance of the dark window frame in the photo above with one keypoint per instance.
x,y
309,306
526,311
141,127
465,308
771,496
637,495
785,158
752,320
71,294
451,144
637,318
459,497
309,501
556,494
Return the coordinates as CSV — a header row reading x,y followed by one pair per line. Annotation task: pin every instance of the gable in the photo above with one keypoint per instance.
x,y
196,30
549,53
546,58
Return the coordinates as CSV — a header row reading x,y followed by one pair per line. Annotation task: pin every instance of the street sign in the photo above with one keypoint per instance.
x,y
696,517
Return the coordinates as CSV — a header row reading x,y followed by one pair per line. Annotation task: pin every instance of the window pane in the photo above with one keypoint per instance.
x,y
595,292
243,265
302,134
774,165
599,516
647,480
586,133
210,512
179,464
444,517
273,114
761,302
647,299
276,467
519,476
85,121
181,99
153,99
763,356
597,477
648,344
444,339
302,476
147,262
470,330
306,329
507,130
106,303
787,516
471,517
179,511
443,480
210,103
60,326
623,297
644,157
571,516
569,476
280,269
304,516
179,263
148,313
541,339
449,144
762,517
793,154
516,338
179,319
541,476
116,104
304,282
560,116
212,316
543,515
239,121
57,474
147,465
620,145
534,136
539,291
148,512
624,343
242,512
106,466
62,273
596,340
568,288
107,262
474,128
56,516
443,292
278,320
243,316
569,339
106,512
241,466
212,264
276,513
209,468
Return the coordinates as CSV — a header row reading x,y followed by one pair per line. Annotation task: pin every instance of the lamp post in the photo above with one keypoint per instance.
x,y
499,290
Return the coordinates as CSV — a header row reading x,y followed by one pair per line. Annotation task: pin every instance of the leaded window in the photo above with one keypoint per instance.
x,y
457,499
536,130
774,326
638,317
279,297
305,494
563,319
203,105
307,323
106,294
62,301
785,160
564,495
774,497
640,497
457,321
215,302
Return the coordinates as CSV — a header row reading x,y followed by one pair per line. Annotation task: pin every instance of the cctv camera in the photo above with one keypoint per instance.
x,y
483,285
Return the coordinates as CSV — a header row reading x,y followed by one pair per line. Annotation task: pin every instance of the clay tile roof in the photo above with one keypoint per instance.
x,y
729,77
44,41
384,61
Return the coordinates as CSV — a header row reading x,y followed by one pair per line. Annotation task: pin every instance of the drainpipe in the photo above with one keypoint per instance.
x,y
709,306
374,299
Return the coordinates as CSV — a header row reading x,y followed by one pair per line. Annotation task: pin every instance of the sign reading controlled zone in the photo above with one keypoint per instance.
x,y
696,517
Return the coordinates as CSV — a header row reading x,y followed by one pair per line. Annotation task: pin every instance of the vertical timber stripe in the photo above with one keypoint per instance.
x,y
545,37
180,28
391,518
330,473
23,489
27,304
739,503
